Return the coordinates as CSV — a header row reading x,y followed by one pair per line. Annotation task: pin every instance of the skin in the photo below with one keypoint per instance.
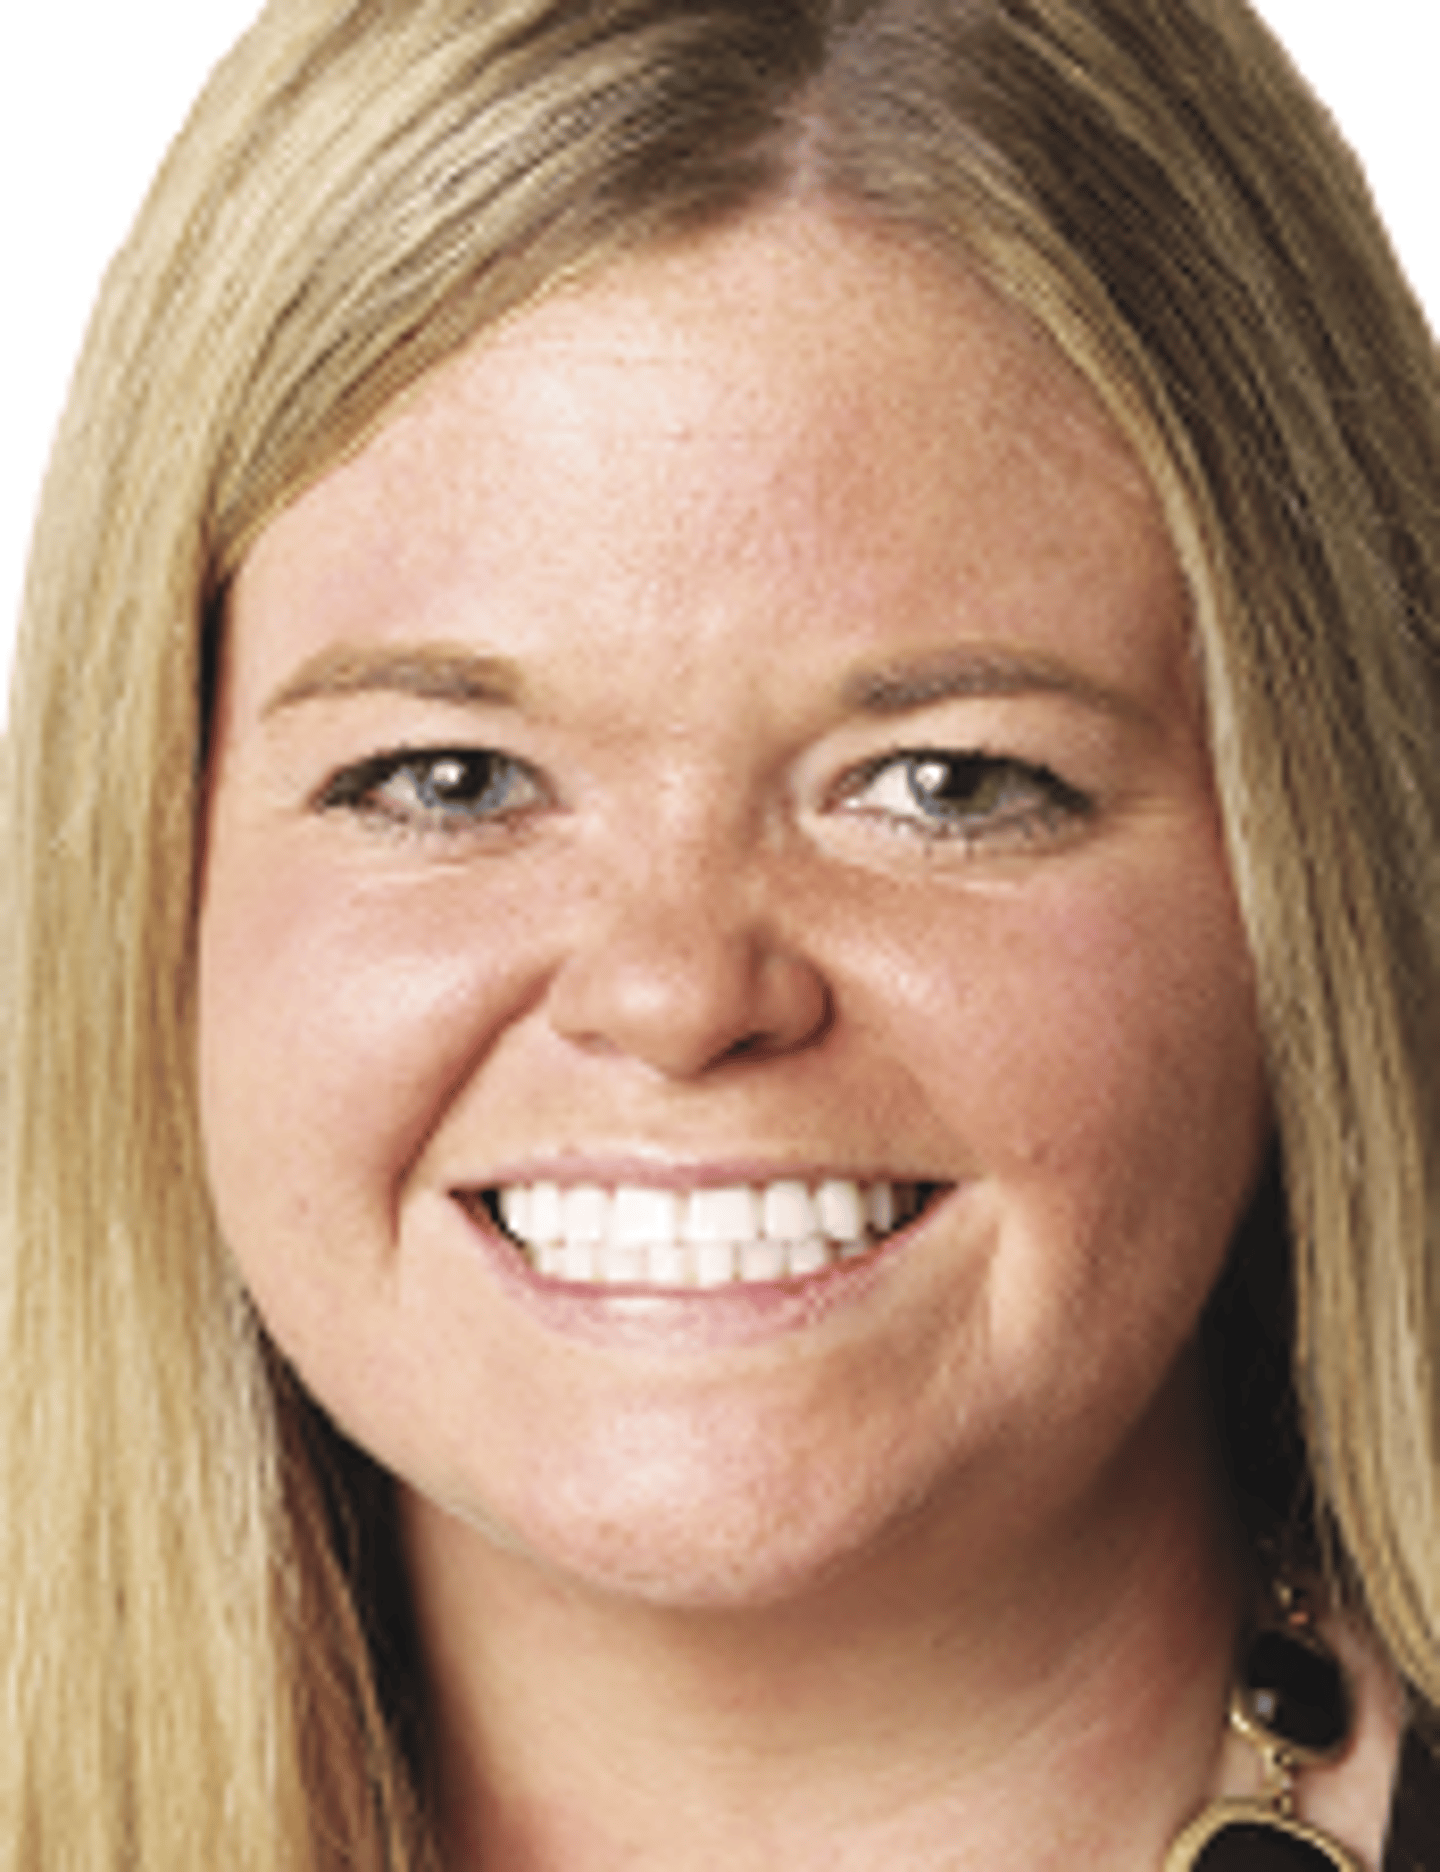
x,y
925,1553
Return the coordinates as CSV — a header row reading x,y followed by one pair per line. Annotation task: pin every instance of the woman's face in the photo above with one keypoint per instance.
x,y
720,780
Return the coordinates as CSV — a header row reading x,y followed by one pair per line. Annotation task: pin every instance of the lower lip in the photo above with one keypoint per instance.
x,y
683,1318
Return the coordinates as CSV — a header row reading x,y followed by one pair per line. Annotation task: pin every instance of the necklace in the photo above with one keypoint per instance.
x,y
1291,1704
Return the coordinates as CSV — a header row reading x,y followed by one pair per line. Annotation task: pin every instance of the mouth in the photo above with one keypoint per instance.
x,y
741,1234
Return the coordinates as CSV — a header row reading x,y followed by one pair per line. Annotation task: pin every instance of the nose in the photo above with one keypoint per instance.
x,y
683,978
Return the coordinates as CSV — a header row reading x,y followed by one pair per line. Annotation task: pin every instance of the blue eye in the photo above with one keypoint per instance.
x,y
970,796
440,788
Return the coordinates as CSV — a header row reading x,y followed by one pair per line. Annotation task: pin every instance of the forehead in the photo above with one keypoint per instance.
x,y
797,397
794,321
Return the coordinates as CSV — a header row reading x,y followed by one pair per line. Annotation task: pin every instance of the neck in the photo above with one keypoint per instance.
x,y
931,1704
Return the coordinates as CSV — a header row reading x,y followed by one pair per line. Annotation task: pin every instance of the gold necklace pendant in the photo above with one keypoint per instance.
x,y
1252,1836
1292,1706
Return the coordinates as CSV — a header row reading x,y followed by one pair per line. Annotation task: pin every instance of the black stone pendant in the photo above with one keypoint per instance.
x,y
1291,1703
1291,1688
1248,1836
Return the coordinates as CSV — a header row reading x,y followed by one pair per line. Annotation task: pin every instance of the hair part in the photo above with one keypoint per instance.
x,y
364,186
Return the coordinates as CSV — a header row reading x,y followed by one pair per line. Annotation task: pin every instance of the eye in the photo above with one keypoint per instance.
x,y
970,795
434,788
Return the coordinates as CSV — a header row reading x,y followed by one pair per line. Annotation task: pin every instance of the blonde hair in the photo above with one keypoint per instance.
x,y
190,1668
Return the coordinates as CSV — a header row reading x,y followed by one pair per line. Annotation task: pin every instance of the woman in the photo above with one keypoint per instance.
x,y
722,754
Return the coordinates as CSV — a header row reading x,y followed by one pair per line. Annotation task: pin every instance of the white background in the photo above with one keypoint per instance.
x,y
91,91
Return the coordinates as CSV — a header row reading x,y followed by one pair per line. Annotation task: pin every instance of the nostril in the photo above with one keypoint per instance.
x,y
748,1048
767,1044
686,998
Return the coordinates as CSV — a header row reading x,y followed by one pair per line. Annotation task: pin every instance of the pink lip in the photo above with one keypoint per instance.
x,y
571,1168
677,1320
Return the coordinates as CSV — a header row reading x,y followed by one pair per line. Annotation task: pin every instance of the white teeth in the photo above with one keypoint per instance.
x,y
546,1222
626,1264
586,1211
577,1261
640,1236
807,1257
839,1206
549,1259
714,1263
638,1216
762,1260
788,1211
515,1210
669,1264
721,1215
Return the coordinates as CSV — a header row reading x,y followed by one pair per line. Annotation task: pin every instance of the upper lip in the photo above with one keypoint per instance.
x,y
612,1171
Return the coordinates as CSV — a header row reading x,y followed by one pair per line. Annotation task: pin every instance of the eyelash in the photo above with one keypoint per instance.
x,y
967,796
939,795
480,788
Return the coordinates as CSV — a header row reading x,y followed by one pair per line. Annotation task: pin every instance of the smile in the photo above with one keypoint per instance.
x,y
637,1235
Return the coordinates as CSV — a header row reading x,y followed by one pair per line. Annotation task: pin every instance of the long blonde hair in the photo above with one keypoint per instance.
x,y
190,1667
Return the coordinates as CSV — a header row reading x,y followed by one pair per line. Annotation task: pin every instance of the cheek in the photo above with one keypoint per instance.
x,y
1098,1056
337,1018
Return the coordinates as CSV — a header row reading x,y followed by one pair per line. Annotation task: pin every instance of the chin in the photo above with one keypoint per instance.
x,y
698,1531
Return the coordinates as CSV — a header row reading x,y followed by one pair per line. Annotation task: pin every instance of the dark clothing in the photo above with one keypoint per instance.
x,y
1413,1842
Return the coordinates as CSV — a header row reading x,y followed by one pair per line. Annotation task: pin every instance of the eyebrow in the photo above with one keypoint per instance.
x,y
430,672
967,671
446,673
